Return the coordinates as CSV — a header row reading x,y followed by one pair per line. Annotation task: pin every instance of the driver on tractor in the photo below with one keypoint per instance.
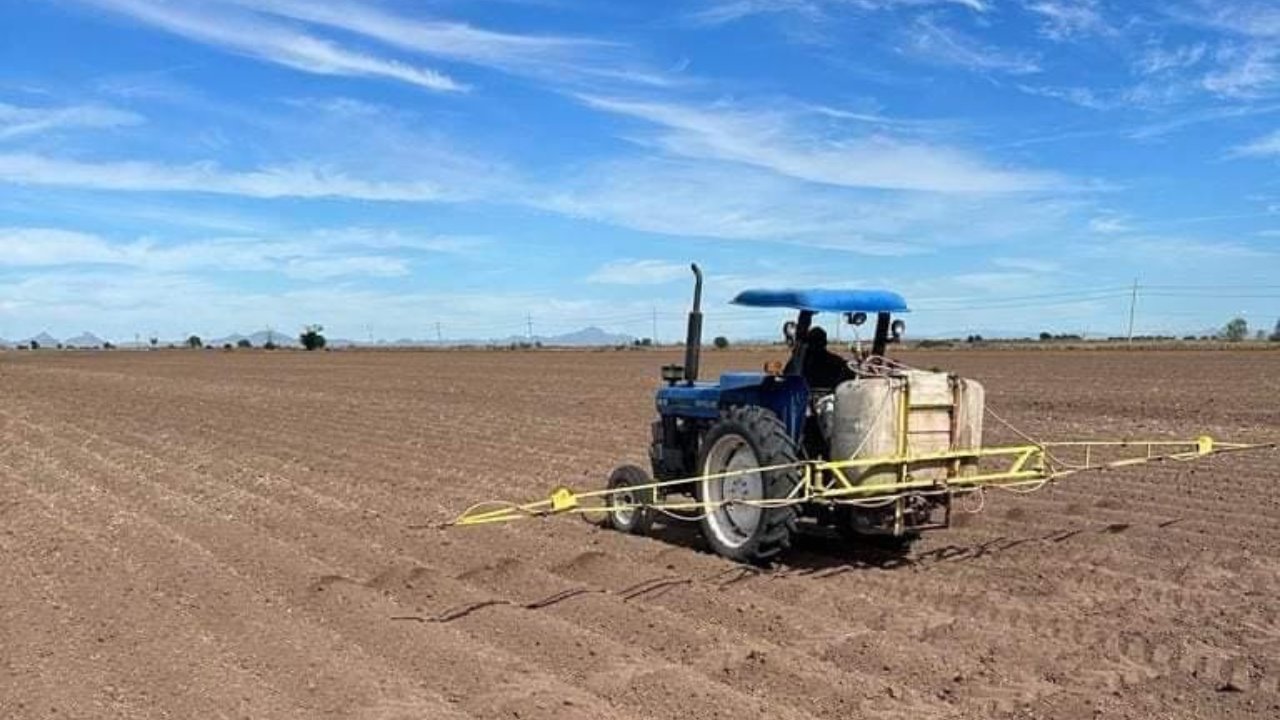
x,y
823,369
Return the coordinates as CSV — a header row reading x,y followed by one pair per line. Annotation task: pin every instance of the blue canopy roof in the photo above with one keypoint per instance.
x,y
825,300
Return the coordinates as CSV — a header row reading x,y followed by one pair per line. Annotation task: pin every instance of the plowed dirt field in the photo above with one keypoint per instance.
x,y
229,535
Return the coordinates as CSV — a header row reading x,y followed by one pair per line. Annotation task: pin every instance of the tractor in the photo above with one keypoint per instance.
x,y
746,437
862,444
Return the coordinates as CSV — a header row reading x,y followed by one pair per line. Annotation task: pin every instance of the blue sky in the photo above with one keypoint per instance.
x,y
212,166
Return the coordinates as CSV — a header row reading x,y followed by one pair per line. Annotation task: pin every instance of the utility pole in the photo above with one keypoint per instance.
x,y
439,337
1133,306
654,337
528,319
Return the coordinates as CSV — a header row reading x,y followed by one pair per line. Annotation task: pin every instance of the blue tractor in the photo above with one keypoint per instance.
x,y
744,437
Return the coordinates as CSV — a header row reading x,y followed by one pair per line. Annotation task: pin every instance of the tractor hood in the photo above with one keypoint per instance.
x,y
875,301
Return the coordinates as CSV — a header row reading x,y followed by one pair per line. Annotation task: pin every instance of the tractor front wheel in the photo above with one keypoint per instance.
x,y
738,448
628,509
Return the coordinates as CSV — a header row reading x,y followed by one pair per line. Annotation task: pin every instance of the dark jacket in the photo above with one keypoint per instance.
x,y
825,369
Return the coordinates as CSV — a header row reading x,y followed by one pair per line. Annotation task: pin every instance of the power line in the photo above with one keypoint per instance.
x,y
1037,296
1006,304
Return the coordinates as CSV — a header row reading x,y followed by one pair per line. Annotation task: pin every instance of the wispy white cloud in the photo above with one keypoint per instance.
x,y
710,200
1086,97
1151,93
17,121
1199,117
1178,251
345,266
778,140
732,202
1245,71
316,255
1265,146
1246,61
719,12
36,247
299,181
1252,18
932,41
1157,59
254,36
1109,225
1029,265
547,56
638,272
1067,19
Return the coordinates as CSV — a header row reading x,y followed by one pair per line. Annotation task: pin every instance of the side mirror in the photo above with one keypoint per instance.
x,y
856,319
789,332
896,330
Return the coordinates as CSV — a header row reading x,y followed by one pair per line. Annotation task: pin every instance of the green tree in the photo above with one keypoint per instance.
x,y
1236,330
1275,334
311,337
244,343
721,342
194,342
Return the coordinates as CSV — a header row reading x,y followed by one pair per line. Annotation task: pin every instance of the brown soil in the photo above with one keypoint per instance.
x,y
209,534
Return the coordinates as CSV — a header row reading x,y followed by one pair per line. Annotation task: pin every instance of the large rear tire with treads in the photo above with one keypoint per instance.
x,y
744,440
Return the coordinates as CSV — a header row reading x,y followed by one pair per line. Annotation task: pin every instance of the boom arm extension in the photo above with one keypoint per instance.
x,y
828,482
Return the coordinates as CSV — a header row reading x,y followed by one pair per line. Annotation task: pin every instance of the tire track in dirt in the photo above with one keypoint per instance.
x,y
286,670
369,636
606,620
560,632
84,662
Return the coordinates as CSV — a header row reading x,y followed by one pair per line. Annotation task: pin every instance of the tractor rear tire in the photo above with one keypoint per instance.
x,y
746,438
624,515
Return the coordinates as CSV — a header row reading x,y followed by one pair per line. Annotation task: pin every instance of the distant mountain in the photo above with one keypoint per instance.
x,y
44,339
586,337
589,336
262,337
85,339
231,339
258,339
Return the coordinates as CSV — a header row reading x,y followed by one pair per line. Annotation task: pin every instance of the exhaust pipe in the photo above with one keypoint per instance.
x,y
693,339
